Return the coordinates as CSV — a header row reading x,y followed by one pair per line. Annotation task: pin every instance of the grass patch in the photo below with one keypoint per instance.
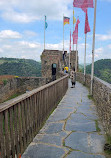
x,y
5,81
108,138
14,96
64,143
84,84
90,96
97,126
107,146
108,152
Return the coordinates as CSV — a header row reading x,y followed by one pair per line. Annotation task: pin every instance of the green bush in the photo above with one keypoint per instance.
x,y
5,81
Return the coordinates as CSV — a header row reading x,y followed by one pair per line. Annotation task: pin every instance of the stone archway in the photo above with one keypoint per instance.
x,y
54,69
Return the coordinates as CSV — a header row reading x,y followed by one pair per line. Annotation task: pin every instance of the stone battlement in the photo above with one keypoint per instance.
x,y
102,97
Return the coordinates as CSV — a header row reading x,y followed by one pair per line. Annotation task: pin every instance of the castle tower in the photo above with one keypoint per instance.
x,y
51,63
72,59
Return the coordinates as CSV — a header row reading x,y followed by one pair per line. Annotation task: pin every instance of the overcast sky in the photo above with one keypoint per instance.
x,y
22,28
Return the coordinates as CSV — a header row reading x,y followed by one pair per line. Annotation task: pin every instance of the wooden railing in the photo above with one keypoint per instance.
x,y
21,118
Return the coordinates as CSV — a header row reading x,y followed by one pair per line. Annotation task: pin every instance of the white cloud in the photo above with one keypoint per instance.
x,y
58,46
29,33
19,17
109,46
104,37
99,50
20,49
24,12
24,48
25,44
9,34
82,46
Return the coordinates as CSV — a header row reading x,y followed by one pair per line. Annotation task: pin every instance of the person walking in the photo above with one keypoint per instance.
x,y
73,78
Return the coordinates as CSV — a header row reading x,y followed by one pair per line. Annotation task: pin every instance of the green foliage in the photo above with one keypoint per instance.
x,y
5,81
97,126
81,66
102,69
107,146
90,96
20,67
14,96
108,138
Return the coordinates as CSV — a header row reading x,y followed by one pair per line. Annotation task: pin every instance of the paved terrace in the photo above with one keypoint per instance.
x,y
71,131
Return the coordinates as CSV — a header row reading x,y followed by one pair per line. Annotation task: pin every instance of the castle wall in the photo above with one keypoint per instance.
x,y
72,59
20,86
102,97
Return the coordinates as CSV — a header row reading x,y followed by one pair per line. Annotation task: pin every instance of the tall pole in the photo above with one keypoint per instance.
x,y
69,50
73,26
93,48
63,33
85,61
76,58
69,60
44,34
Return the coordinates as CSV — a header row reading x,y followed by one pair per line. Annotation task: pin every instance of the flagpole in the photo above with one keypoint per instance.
x,y
76,54
44,34
76,58
63,33
85,61
69,50
69,60
93,48
73,26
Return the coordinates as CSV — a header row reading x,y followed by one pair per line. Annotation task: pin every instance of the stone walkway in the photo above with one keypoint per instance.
x,y
72,131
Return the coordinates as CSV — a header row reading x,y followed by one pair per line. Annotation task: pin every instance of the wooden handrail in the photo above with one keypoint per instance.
x,y
22,117
8,104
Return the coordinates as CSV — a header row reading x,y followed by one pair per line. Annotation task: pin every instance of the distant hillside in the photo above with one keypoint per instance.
x,y
81,66
102,69
20,67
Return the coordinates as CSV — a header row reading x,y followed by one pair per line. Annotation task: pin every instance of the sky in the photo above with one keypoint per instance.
x,y
22,28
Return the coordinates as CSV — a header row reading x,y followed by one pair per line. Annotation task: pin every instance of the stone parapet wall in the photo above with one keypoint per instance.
x,y
80,78
102,97
20,85
61,74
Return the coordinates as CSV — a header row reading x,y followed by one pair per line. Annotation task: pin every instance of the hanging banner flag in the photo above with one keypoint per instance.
x,y
87,27
66,20
46,25
75,33
83,3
